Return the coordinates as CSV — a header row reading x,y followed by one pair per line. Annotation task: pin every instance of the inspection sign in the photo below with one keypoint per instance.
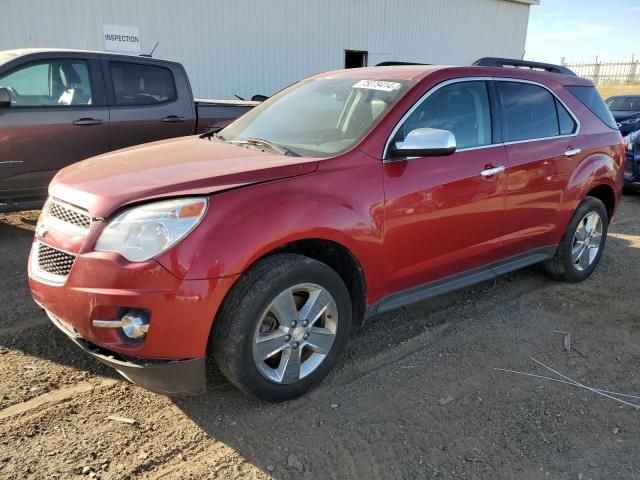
x,y
118,38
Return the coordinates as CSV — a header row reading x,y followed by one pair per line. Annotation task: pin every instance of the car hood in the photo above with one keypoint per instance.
x,y
620,115
184,166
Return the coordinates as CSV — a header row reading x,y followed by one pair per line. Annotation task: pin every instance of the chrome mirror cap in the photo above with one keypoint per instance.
x,y
425,142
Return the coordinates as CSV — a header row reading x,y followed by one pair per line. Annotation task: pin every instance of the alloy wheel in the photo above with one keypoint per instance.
x,y
587,241
295,333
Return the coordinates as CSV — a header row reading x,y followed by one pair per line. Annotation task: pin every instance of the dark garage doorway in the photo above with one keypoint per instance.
x,y
355,58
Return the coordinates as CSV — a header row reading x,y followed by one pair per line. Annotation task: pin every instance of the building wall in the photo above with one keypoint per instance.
x,y
257,46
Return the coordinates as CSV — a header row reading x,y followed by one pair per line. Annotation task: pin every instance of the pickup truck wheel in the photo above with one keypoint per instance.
x,y
583,242
282,327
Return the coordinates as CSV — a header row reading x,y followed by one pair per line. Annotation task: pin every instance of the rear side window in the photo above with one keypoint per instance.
x,y
591,99
136,84
529,112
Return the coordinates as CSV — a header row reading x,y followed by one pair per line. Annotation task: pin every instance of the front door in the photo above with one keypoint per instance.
x,y
53,121
445,215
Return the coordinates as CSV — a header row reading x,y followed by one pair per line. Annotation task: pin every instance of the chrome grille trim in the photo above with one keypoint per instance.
x,y
52,264
68,214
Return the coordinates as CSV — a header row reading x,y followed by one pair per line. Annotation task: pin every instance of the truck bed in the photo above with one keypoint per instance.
x,y
219,113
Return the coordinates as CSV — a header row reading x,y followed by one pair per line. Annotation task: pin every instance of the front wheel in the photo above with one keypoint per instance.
x,y
282,327
581,247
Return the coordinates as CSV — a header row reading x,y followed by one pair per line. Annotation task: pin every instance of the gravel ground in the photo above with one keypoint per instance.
x,y
415,396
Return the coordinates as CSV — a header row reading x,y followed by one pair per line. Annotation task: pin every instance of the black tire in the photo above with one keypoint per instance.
x,y
238,318
561,266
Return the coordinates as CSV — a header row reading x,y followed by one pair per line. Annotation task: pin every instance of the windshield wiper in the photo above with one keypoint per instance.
x,y
273,146
213,133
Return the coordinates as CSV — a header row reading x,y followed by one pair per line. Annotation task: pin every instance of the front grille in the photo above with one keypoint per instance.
x,y
54,261
69,215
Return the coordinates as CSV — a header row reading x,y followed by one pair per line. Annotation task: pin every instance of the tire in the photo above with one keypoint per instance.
x,y
254,319
563,265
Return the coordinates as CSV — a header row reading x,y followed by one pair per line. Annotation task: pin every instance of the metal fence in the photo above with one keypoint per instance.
x,y
608,73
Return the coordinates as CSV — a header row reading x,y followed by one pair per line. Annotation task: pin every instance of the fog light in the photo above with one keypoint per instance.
x,y
134,324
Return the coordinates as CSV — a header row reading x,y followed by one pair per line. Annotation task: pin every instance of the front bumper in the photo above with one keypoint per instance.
x,y
168,377
101,285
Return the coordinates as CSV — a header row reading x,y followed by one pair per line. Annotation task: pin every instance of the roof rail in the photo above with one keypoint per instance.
x,y
394,63
515,63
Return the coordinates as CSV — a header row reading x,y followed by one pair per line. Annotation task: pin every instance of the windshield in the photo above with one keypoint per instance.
x,y
624,104
317,117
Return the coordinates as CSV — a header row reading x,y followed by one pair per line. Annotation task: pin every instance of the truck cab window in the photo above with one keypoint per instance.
x,y
137,84
55,83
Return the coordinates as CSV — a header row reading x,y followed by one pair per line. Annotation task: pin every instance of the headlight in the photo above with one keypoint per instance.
x,y
143,232
630,121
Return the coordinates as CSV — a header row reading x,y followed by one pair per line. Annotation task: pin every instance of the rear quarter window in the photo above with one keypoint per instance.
x,y
591,99
565,121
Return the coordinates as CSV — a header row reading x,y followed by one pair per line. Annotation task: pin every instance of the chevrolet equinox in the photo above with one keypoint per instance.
x,y
348,194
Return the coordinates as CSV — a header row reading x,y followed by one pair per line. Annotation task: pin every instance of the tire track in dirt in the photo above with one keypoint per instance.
x,y
40,361
355,456
49,399
162,433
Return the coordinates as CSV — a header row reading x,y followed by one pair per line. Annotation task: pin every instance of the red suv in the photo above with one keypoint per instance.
x,y
347,194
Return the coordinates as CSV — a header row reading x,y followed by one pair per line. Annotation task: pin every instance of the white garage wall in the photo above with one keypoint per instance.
x,y
259,46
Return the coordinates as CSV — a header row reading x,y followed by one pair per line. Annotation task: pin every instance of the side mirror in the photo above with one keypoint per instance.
x,y
425,142
5,97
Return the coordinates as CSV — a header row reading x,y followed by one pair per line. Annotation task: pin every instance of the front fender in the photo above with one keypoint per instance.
x,y
245,224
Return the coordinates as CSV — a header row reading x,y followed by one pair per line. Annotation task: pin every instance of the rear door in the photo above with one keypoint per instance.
x,y
445,215
544,147
147,102
58,116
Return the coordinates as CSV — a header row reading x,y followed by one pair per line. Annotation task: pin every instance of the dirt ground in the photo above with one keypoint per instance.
x,y
415,396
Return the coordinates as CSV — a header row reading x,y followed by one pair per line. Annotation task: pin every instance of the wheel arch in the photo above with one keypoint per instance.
x,y
606,195
597,176
332,253
339,258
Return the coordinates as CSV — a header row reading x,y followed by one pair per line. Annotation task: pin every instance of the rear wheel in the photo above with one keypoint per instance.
x,y
282,327
583,242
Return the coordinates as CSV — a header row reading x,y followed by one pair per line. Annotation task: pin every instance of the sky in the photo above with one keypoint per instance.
x,y
580,30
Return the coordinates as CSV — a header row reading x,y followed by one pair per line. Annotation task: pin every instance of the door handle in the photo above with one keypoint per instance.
x,y
490,172
173,119
570,152
84,122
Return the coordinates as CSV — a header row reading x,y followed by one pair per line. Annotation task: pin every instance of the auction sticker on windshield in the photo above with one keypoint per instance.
x,y
378,85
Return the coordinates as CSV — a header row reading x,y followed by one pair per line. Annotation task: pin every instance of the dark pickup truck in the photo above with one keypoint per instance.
x,y
61,106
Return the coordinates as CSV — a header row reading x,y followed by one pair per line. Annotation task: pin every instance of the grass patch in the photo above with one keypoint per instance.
x,y
608,91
